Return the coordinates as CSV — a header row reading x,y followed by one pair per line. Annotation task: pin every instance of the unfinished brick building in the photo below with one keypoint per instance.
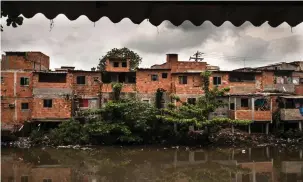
x,y
31,92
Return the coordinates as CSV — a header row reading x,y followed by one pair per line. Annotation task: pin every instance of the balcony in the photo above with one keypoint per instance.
x,y
255,108
289,88
251,115
290,108
291,115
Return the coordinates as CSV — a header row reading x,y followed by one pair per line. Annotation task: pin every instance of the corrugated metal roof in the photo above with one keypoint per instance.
x,y
197,12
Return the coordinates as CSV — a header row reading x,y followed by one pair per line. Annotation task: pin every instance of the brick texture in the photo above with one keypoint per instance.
x,y
61,109
26,61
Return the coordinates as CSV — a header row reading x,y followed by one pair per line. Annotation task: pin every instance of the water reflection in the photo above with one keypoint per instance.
x,y
151,164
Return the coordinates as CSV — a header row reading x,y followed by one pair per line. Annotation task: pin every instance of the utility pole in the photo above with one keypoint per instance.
x,y
197,56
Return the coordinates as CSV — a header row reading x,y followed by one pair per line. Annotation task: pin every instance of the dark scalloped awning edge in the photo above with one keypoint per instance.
x,y
257,13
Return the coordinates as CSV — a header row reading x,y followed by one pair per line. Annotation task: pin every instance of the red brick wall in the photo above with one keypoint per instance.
x,y
91,88
24,91
258,115
15,63
146,85
67,84
299,89
20,62
262,115
23,94
193,86
186,65
7,88
268,78
110,66
39,59
61,108
250,87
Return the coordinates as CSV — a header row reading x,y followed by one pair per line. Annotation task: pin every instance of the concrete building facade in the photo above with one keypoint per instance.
x,y
31,92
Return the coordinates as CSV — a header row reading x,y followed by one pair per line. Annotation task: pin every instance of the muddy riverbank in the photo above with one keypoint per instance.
x,y
222,139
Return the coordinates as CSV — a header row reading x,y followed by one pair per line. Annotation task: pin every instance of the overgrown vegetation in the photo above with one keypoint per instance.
x,y
132,121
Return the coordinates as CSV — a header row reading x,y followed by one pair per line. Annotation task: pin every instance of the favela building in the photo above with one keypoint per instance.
x,y
32,93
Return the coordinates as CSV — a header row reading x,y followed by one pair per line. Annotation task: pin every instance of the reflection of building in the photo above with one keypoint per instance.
x,y
292,171
19,171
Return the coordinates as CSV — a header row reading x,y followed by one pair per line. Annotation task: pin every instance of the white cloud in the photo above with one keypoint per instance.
x,y
80,43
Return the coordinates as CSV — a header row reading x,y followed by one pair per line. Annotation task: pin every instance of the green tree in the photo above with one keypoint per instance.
x,y
123,121
122,53
198,115
69,132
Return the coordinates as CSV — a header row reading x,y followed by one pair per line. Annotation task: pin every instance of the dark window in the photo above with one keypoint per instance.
x,y
232,106
24,178
2,79
24,81
154,77
191,101
164,75
116,64
24,106
124,64
301,80
47,180
132,79
52,77
241,77
81,80
217,80
244,102
47,103
106,77
182,79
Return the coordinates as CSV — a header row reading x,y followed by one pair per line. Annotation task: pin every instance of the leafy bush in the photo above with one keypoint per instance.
x,y
69,132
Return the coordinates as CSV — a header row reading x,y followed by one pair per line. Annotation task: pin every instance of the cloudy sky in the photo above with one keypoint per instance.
x,y
81,43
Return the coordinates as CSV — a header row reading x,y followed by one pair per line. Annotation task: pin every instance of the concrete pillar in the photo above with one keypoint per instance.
x,y
267,152
233,154
228,102
175,158
191,157
301,154
300,125
249,153
254,172
249,129
252,109
175,127
271,109
267,128
235,105
232,129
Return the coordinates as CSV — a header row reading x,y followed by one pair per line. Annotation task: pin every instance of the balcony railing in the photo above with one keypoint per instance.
x,y
251,115
291,115
280,87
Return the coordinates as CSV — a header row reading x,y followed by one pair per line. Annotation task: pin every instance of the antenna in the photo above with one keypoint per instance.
x,y
197,56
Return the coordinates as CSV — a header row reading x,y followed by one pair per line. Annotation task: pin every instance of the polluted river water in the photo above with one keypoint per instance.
x,y
180,164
